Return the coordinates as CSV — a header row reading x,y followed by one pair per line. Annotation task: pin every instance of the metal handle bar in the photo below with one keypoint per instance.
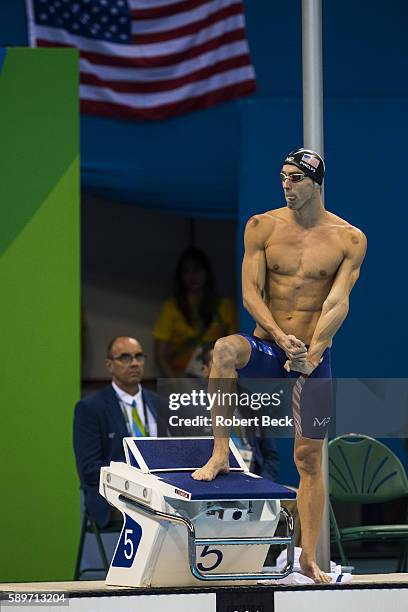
x,y
193,542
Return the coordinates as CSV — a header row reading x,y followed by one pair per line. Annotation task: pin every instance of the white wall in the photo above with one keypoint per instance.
x,y
128,260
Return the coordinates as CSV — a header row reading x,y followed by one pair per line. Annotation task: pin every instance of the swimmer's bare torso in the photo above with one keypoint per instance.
x,y
294,267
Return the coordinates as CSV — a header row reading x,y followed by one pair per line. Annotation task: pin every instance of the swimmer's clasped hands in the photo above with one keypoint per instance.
x,y
304,366
293,347
296,353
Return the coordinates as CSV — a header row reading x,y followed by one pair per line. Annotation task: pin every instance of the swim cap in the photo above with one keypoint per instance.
x,y
310,162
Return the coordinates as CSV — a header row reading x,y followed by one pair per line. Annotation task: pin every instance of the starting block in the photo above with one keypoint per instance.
x,y
178,531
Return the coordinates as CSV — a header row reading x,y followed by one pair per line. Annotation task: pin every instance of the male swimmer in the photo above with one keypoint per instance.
x,y
300,265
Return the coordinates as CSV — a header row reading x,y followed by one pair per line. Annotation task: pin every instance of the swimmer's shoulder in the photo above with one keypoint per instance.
x,y
262,225
268,219
350,234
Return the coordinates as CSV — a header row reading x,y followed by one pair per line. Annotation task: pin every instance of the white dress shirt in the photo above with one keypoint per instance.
x,y
126,402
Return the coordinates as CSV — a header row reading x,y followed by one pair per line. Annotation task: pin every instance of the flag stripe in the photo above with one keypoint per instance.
x,y
138,3
216,81
188,29
164,85
142,52
158,10
158,73
205,8
150,62
149,59
164,111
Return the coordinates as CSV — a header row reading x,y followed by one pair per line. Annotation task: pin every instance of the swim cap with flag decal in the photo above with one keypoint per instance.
x,y
309,161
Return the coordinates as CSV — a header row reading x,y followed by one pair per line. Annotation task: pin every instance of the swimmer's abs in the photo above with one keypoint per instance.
x,y
299,323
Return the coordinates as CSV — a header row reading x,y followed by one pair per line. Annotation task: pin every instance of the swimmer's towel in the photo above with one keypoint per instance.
x,y
296,577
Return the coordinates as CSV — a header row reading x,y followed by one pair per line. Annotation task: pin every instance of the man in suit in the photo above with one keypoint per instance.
x,y
103,419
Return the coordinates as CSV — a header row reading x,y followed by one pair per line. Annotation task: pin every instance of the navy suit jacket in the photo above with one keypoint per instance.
x,y
99,428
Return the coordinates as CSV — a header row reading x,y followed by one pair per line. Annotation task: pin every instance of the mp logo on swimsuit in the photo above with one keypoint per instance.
x,y
321,422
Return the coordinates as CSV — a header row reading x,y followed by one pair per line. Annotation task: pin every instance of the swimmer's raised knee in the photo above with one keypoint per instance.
x,y
225,353
231,352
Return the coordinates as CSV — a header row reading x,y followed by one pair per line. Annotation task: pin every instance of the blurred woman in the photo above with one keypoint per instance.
x,y
194,316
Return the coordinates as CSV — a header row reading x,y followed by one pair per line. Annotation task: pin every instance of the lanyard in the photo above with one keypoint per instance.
x,y
146,421
129,426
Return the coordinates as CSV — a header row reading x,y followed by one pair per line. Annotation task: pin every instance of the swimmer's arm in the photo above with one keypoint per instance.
x,y
336,305
254,277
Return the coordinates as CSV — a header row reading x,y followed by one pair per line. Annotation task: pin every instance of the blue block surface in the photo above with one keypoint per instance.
x,y
176,453
235,485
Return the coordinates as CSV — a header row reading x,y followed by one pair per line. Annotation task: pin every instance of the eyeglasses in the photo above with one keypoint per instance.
x,y
129,357
295,177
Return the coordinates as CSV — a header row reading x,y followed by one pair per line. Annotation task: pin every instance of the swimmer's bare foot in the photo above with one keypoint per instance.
x,y
211,469
313,571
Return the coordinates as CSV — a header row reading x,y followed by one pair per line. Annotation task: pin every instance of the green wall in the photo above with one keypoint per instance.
x,y
39,313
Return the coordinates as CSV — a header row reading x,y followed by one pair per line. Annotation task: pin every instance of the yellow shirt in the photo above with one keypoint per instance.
x,y
171,326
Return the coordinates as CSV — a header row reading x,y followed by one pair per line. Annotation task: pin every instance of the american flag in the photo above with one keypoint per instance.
x,y
311,160
149,59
